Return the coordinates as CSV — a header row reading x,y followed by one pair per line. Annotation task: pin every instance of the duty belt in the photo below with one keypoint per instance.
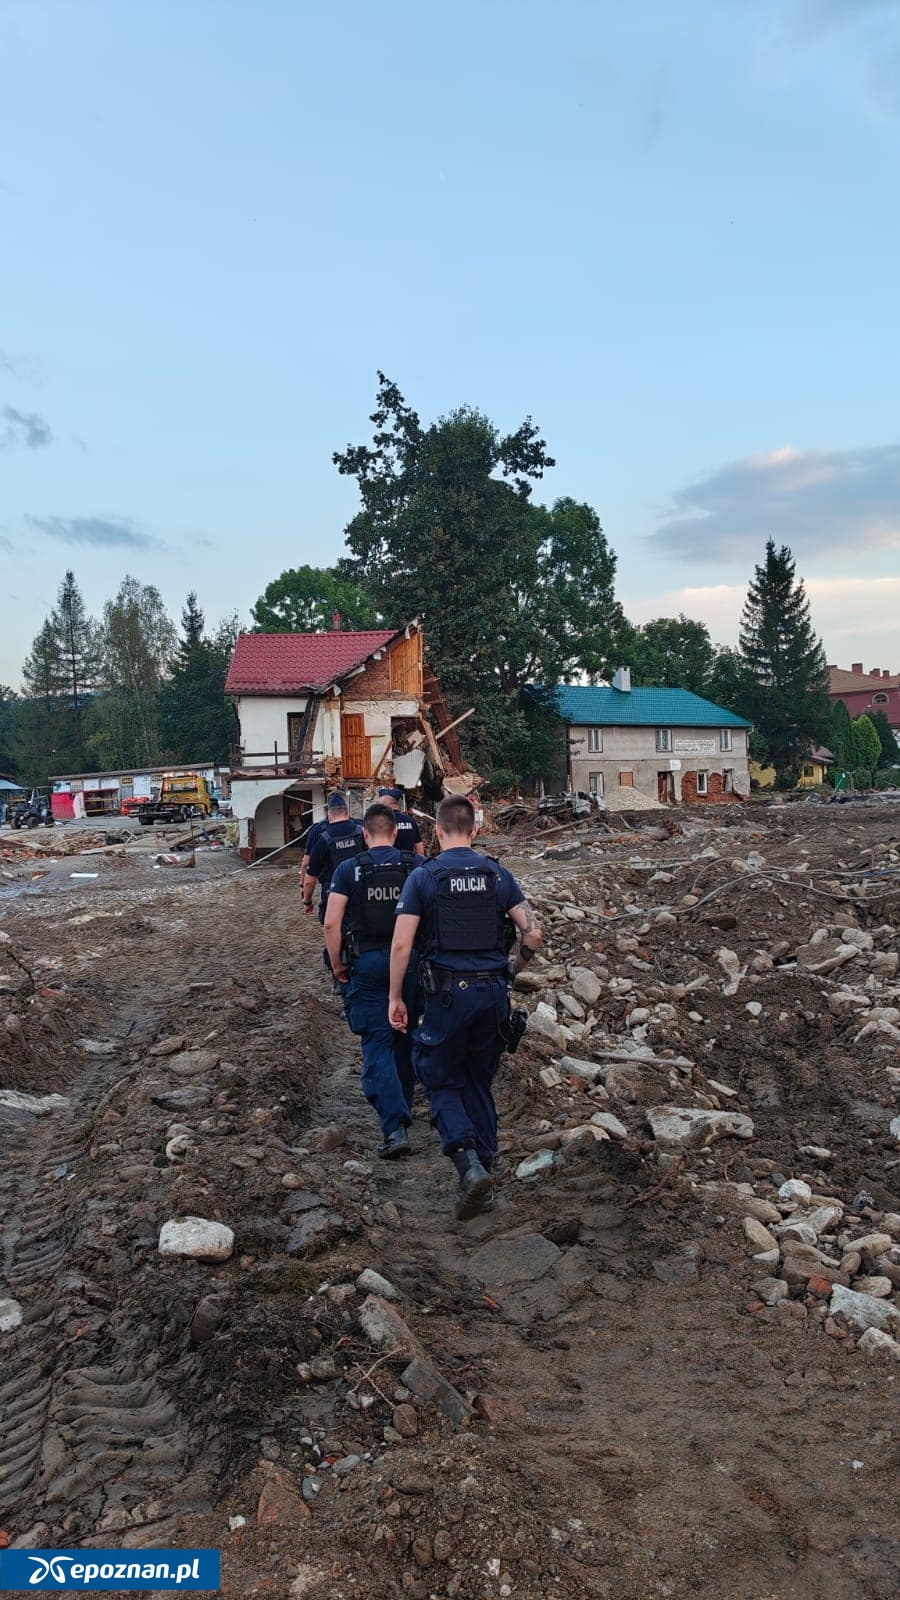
x,y
465,978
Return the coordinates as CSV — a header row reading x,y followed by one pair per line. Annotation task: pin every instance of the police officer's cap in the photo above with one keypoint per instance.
x,y
337,801
393,794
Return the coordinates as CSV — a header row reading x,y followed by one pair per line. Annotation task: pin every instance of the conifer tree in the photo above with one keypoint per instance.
x,y
787,678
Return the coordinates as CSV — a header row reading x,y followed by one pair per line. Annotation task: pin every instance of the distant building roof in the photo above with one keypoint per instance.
x,y
7,785
844,681
288,663
658,708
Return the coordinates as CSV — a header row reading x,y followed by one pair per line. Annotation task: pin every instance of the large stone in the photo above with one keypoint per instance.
x,y
878,1346
759,1238
532,1165
610,1124
573,1067
315,1230
862,1311
196,1238
38,1105
586,986
518,1259
186,1099
544,1024
10,1315
686,1127
193,1063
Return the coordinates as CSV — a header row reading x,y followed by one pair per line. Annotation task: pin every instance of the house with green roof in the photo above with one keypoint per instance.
x,y
669,743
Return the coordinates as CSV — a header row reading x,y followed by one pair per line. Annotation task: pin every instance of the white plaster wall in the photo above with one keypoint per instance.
x,y
264,722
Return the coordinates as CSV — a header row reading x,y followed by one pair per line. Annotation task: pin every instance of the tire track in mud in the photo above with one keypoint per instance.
x,y
70,1432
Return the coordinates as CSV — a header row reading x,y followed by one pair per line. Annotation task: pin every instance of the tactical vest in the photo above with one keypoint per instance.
x,y
344,848
466,914
373,903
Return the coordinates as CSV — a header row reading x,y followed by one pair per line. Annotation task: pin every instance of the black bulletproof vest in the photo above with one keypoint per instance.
x,y
466,914
373,903
343,848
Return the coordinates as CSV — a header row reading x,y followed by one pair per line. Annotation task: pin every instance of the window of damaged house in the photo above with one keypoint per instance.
x,y
703,783
725,739
663,739
595,740
595,783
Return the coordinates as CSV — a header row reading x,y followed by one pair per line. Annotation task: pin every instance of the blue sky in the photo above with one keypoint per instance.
x,y
667,230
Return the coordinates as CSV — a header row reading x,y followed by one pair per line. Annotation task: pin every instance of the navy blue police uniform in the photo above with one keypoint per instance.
x,y
338,841
408,833
372,883
464,934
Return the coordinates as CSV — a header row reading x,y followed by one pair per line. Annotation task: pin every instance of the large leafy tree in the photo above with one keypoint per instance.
x,y
196,722
139,644
305,599
673,652
511,593
787,678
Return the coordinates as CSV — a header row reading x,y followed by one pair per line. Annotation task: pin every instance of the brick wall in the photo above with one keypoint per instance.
x,y
372,684
717,793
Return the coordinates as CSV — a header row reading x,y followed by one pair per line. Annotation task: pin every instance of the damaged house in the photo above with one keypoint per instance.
x,y
317,711
669,743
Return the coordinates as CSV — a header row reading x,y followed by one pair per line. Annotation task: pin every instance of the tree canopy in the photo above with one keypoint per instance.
x,y
511,593
305,599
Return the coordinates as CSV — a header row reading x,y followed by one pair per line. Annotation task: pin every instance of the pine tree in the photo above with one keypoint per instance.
x,y
787,678
79,653
192,623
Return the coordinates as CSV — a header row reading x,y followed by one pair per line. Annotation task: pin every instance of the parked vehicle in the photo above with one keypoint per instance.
x,y
182,795
132,804
33,812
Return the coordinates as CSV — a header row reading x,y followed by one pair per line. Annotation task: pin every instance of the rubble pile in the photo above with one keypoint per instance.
x,y
698,1213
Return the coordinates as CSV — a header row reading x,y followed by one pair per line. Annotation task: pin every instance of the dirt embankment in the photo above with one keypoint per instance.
x,y
648,1407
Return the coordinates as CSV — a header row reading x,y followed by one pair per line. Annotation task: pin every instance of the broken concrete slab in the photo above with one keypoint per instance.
x,y
38,1105
686,1127
386,1329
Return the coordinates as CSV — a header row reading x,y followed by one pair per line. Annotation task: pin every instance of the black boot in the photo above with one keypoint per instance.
x,y
396,1147
474,1184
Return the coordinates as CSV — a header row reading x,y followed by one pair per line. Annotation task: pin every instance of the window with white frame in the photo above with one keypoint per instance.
x,y
725,739
663,739
595,783
703,783
595,740
879,699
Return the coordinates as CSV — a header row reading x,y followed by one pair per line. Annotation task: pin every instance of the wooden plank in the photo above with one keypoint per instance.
x,y
443,732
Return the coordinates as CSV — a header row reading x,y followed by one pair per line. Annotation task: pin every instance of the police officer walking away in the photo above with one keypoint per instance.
x,y
461,909
408,835
338,841
359,923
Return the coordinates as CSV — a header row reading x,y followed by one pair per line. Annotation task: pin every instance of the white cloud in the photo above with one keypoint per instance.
x,y
816,501
858,618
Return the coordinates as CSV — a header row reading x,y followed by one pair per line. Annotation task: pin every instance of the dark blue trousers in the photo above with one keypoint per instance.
x,y
457,1047
387,1075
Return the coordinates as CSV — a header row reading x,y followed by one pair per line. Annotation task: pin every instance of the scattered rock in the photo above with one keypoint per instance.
x,y
197,1239
610,1124
543,1023
193,1063
586,986
879,1346
169,1046
533,1165
759,1238
371,1282
863,1311
406,1422
11,1315
280,1505
795,1190
686,1127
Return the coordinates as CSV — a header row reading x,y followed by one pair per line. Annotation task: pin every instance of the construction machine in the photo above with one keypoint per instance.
x,y
182,795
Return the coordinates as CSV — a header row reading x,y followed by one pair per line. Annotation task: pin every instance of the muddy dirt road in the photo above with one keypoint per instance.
x,y
643,1416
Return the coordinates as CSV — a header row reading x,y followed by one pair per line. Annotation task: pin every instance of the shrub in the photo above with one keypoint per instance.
x,y
888,778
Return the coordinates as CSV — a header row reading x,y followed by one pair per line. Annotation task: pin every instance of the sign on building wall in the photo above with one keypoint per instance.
x,y
695,747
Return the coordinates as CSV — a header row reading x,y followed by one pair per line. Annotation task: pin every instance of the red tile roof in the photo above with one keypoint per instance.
x,y
286,663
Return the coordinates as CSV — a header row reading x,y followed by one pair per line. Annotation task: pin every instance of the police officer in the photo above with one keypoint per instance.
x,y
341,839
461,907
359,922
408,835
